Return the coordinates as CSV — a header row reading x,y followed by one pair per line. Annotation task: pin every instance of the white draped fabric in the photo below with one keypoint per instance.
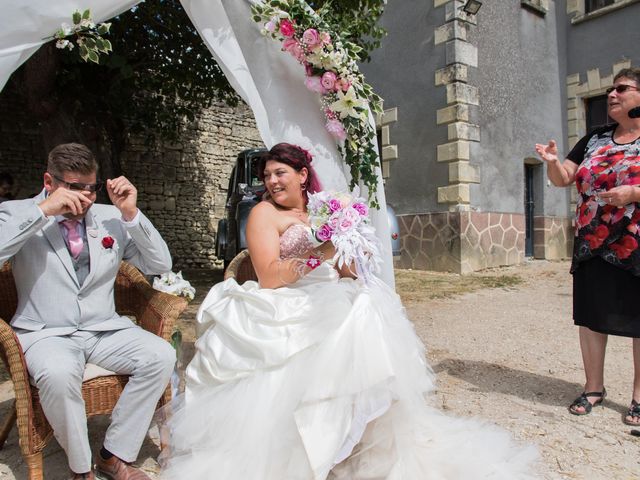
x,y
270,81
27,24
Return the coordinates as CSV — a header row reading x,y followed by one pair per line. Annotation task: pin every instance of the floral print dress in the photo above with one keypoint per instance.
x,y
601,229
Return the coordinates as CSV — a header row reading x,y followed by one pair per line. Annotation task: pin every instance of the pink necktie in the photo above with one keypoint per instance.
x,y
75,240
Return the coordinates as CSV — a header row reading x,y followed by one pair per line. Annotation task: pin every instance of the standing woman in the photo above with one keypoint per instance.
x,y
605,166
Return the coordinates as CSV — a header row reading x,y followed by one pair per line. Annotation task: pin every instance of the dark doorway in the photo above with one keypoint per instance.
x,y
529,203
596,108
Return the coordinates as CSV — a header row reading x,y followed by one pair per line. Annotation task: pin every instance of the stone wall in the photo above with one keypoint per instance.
x,y
552,237
182,187
461,242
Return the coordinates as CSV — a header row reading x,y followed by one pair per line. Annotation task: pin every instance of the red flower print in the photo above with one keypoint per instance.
x,y
634,223
596,238
107,242
601,165
583,179
605,181
602,150
624,247
612,214
586,212
631,176
615,157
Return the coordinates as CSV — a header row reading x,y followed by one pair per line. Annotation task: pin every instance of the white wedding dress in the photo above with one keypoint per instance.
x,y
322,379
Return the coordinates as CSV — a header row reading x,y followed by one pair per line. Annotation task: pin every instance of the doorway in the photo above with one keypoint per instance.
x,y
529,206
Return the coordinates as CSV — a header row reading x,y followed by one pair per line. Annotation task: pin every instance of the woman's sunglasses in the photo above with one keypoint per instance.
x,y
620,89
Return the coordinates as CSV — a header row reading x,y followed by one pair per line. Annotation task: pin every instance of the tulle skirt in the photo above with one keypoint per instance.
x,y
322,379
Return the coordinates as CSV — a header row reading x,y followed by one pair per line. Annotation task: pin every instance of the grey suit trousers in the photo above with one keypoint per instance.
x,y
58,363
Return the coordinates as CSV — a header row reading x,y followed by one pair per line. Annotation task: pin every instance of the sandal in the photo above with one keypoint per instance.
x,y
634,412
582,401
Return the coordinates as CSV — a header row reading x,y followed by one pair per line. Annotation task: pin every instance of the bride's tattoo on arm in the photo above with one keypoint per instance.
x,y
299,266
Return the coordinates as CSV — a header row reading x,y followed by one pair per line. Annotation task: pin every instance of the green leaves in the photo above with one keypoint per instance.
x,y
88,37
103,28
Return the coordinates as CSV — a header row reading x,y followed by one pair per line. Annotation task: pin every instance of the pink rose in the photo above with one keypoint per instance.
x,y
334,205
325,38
329,80
346,225
315,84
334,221
288,44
361,208
286,28
298,52
311,37
342,84
336,129
352,215
324,233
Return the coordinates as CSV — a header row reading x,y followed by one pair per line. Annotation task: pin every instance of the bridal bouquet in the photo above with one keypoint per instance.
x,y
343,219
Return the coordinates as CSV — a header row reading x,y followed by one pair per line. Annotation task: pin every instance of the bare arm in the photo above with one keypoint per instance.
x,y
263,240
560,174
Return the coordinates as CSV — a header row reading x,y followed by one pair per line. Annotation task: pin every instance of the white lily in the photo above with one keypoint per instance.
x,y
347,103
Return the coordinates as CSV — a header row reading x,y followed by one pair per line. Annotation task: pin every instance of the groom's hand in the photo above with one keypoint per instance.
x,y
124,196
65,202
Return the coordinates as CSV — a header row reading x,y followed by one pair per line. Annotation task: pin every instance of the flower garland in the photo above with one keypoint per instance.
x,y
331,70
88,36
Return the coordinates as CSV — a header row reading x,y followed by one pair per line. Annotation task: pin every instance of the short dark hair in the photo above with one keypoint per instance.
x,y
71,157
630,73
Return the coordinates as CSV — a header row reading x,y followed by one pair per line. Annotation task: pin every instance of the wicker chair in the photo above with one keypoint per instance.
x,y
154,311
241,268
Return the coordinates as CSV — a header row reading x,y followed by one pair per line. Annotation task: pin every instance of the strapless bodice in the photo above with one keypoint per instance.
x,y
295,241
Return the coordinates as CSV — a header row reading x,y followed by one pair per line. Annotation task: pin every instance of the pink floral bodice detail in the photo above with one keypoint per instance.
x,y
295,241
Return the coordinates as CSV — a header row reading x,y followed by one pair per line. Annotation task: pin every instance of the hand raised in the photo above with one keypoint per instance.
x,y
124,196
63,202
549,152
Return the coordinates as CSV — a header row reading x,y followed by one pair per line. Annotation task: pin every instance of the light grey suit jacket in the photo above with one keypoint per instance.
x,y
50,299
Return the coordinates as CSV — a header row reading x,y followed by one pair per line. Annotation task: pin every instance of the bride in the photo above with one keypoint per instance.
x,y
311,374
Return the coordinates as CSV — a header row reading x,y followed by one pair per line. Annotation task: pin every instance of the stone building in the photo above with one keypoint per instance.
x,y
182,187
466,99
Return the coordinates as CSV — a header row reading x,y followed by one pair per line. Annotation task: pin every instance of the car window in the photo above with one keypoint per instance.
x,y
255,179
240,170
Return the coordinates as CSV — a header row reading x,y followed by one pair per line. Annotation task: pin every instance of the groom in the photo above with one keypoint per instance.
x,y
65,253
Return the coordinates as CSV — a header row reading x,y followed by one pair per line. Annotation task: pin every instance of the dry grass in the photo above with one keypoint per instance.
x,y
418,285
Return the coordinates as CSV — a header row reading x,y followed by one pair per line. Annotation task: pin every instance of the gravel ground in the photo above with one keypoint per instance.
x,y
509,355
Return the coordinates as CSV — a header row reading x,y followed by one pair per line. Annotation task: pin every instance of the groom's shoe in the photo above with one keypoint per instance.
x,y
116,469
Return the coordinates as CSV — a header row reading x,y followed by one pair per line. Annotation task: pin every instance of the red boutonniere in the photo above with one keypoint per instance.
x,y
107,242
